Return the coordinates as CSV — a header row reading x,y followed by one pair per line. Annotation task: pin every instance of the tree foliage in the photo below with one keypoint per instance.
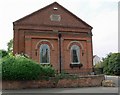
x,y
3,53
9,50
98,65
10,46
111,64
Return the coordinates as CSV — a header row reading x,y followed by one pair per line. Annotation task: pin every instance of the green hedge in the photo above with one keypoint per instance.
x,y
48,71
21,68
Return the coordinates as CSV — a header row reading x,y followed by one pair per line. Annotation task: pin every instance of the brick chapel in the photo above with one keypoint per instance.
x,y
53,35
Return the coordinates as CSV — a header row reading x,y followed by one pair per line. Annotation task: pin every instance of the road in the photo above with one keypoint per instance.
x,y
119,82
67,90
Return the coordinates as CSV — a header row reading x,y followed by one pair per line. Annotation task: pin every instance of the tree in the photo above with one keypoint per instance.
x,y
111,64
10,46
9,51
3,53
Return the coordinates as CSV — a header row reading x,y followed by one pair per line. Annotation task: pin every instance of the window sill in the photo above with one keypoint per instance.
x,y
76,65
44,63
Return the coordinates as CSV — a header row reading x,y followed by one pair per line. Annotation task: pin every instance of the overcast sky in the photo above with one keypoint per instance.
x,y
102,15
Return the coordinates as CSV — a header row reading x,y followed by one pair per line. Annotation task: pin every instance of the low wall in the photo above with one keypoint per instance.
x,y
83,81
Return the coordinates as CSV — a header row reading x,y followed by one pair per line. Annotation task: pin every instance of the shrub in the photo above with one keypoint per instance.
x,y
111,64
48,71
20,68
64,75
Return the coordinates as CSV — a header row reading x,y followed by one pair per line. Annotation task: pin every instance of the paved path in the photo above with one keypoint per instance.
x,y
115,79
67,90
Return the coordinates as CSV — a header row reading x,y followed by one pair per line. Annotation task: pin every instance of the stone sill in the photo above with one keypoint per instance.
x,y
76,65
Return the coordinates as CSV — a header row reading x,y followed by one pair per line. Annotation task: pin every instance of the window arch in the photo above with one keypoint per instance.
x,y
44,54
75,54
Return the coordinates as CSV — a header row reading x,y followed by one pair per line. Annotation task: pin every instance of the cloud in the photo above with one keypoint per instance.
x,y
105,31
101,14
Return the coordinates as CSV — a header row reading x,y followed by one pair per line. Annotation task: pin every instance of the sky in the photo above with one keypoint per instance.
x,y
102,15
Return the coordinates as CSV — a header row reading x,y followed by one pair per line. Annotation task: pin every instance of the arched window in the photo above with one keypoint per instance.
x,y
75,54
44,54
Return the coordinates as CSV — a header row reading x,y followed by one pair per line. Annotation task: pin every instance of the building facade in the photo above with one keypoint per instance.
x,y
96,60
53,35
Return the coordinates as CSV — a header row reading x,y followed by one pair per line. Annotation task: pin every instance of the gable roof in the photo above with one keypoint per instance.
x,y
81,23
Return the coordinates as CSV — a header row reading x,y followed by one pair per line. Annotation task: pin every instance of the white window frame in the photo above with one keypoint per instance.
x,y
78,51
48,52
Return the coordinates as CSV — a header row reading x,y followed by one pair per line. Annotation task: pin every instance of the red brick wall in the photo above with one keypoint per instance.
x,y
27,43
42,17
29,31
83,81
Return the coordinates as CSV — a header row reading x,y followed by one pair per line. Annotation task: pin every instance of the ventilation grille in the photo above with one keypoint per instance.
x,y
55,17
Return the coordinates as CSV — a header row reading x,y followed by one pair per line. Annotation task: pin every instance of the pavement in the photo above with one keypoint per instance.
x,y
116,79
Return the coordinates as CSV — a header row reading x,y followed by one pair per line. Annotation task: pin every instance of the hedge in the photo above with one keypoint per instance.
x,y
22,68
